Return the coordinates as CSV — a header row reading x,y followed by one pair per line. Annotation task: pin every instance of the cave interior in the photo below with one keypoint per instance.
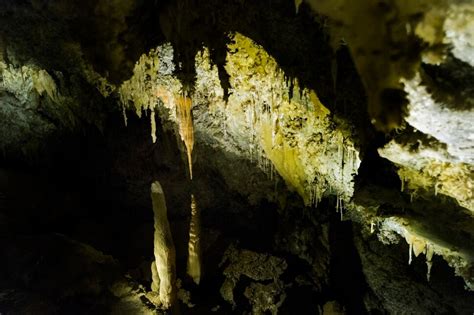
x,y
236,157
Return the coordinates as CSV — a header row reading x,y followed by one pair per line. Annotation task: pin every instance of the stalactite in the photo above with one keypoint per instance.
x,y
224,124
153,126
297,5
43,82
186,130
429,264
165,254
124,114
315,197
339,204
410,250
418,246
275,123
341,211
194,245
429,257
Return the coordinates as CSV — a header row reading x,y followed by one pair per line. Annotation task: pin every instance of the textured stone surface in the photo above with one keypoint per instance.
x,y
266,291
265,119
447,124
428,169
269,106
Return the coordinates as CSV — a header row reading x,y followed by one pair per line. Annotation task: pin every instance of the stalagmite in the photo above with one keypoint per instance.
x,y
194,245
186,130
155,284
165,255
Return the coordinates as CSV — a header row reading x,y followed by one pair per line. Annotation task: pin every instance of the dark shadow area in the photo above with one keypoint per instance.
x,y
92,190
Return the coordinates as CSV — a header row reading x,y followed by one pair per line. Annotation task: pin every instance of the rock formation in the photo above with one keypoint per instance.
x,y
164,279
325,147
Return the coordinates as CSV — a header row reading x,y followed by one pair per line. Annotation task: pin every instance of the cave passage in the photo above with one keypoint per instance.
x,y
236,157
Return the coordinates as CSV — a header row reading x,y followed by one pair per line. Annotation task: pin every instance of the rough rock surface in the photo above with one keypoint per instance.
x,y
389,275
270,103
266,292
266,119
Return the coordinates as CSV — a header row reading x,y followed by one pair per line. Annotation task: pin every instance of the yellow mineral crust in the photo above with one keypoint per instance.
x,y
431,172
297,136
22,80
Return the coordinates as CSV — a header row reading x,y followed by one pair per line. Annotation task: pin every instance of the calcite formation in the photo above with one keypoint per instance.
x,y
285,129
266,118
429,170
421,242
186,129
424,236
164,280
394,44
38,102
384,38
194,244
229,100
24,80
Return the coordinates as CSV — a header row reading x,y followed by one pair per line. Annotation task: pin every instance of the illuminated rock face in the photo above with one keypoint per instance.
x,y
286,130
430,170
37,103
414,58
385,42
277,124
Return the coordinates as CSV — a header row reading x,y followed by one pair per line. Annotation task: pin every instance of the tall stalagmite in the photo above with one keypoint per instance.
x,y
165,254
